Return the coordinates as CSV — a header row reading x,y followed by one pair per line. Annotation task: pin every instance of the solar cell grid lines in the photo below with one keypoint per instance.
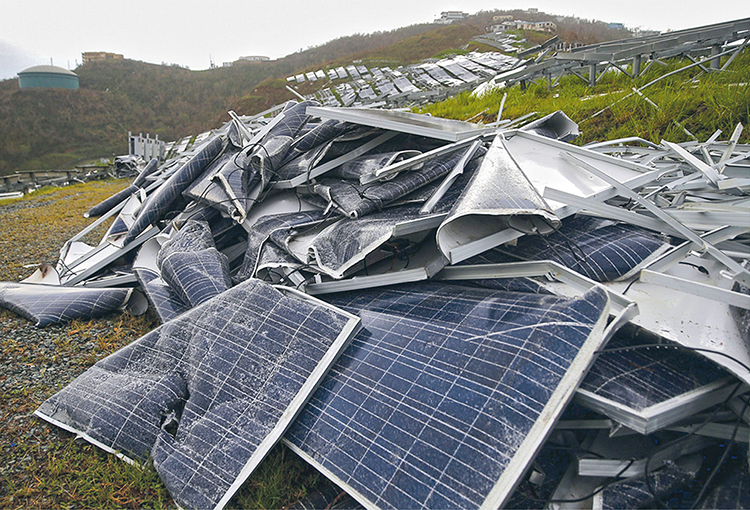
x,y
230,375
642,378
46,305
419,413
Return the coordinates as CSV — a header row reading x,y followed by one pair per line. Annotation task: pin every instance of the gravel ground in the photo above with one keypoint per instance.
x,y
37,362
42,466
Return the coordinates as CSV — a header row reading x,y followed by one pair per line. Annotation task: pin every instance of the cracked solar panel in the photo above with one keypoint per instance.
x,y
447,393
208,189
640,492
47,304
166,302
196,275
161,200
208,394
271,151
109,203
357,200
649,389
346,244
262,230
732,492
599,249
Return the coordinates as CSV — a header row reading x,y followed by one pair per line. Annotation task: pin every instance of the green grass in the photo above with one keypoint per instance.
x,y
696,101
48,467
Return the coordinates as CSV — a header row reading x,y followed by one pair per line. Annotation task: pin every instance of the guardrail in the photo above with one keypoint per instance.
x,y
21,181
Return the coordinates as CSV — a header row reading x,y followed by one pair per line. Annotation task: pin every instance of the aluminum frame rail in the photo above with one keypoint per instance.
x,y
589,62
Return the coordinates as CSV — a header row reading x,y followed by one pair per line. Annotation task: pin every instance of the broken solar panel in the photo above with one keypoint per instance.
x,y
356,200
111,202
208,394
347,244
598,249
638,492
262,230
730,491
275,145
163,198
220,184
192,266
166,302
50,304
369,163
648,389
447,393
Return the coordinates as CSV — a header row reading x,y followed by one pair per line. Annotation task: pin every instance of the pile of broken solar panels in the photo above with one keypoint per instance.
x,y
432,313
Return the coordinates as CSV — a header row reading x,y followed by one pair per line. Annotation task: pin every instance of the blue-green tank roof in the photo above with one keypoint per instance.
x,y
47,76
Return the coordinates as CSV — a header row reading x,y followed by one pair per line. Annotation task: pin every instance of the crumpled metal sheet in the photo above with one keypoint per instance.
x,y
499,196
48,304
232,372
556,126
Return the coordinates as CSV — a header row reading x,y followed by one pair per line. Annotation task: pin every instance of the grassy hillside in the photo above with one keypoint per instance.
x,y
57,128
689,105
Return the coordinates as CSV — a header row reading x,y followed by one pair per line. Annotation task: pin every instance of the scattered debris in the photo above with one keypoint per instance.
x,y
541,323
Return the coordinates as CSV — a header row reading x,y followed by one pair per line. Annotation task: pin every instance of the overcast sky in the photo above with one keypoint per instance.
x,y
192,32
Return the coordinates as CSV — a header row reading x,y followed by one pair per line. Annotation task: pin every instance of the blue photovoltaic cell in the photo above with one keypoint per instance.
x,y
160,201
49,304
641,378
208,393
192,266
640,492
166,302
440,389
599,249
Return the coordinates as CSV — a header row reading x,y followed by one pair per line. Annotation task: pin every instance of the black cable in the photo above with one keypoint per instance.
x,y
696,266
723,456
672,346
606,484
693,432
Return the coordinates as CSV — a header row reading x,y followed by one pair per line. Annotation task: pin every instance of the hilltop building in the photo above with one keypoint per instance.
x,y
93,56
539,26
47,77
448,17
255,58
